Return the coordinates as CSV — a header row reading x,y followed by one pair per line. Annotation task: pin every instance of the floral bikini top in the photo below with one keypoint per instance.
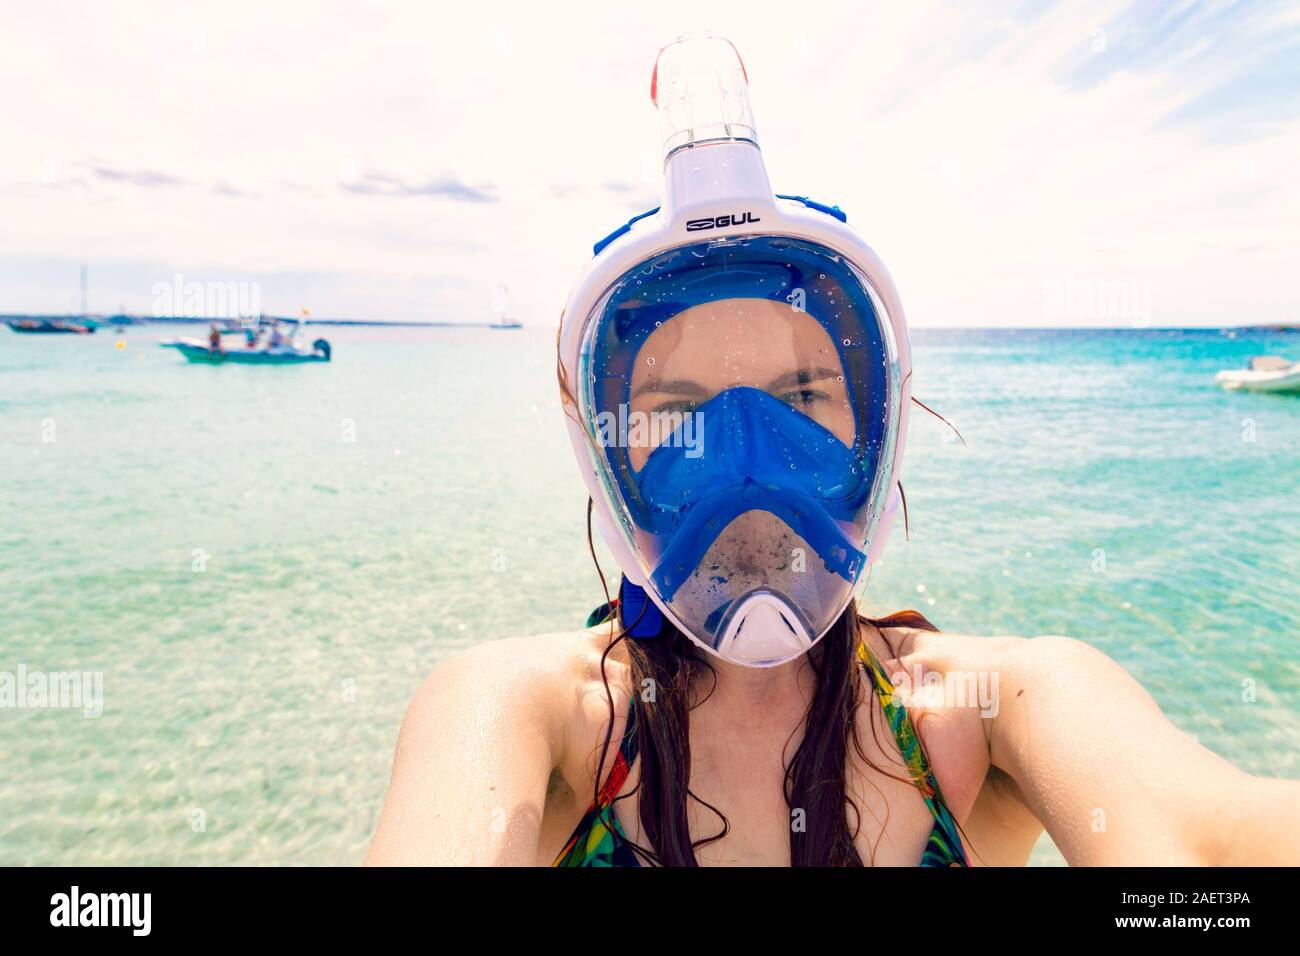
x,y
598,839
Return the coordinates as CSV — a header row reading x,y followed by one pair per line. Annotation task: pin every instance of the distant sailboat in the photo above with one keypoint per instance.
x,y
41,326
501,310
504,321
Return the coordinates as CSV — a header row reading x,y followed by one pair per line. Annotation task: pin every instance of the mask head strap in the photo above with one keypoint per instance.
x,y
635,608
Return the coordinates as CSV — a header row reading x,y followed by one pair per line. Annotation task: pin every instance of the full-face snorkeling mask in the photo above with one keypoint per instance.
x,y
740,368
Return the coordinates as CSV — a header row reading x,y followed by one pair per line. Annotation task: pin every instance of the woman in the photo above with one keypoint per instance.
x,y
736,376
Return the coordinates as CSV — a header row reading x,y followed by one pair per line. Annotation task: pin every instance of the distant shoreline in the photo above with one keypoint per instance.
x,y
141,320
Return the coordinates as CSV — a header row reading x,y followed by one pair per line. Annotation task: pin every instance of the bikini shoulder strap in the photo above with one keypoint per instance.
x,y
623,761
909,744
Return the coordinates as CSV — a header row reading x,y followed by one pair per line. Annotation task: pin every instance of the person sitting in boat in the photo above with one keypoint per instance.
x,y
277,337
214,339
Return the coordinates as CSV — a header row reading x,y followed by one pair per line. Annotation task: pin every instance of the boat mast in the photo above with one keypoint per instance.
x,y
83,290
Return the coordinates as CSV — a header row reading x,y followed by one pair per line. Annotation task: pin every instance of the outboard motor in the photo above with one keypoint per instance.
x,y
323,347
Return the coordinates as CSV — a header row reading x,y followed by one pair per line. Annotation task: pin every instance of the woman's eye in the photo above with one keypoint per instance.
x,y
802,396
685,406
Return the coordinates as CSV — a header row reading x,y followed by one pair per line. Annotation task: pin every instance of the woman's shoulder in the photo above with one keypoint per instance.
x,y
907,645
952,682
1018,660
555,680
953,676
539,665
483,735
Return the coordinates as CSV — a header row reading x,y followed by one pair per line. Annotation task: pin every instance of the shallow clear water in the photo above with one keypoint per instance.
x,y
265,562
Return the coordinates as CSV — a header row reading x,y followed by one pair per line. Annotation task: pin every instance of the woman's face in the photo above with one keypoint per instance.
x,y
703,351
760,343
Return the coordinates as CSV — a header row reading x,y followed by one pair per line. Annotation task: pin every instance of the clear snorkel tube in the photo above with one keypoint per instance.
x,y
701,90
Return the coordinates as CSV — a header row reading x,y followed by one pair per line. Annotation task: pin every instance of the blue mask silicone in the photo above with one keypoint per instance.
x,y
757,454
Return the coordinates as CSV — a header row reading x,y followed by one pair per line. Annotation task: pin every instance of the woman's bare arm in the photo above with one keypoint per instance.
x,y
1115,782
474,757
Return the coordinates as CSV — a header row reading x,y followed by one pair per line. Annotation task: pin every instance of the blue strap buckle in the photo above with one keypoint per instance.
x,y
820,207
600,246
637,610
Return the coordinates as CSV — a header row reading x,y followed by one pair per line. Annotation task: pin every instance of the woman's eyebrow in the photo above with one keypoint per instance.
x,y
802,377
683,386
675,386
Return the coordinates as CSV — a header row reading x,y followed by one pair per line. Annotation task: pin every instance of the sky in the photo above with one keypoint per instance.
x,y
1021,164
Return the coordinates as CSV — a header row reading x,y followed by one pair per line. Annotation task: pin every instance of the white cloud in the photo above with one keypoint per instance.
x,y
953,138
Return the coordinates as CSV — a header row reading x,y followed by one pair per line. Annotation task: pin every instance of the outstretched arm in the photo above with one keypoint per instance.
x,y
473,760
1115,783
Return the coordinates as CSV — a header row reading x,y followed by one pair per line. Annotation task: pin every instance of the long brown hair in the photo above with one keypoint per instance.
x,y
815,777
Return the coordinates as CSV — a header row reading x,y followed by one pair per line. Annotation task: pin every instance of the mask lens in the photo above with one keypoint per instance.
x,y
741,397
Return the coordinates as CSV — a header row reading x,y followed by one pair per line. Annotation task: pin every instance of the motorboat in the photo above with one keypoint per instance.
x,y
1265,373
198,350
51,326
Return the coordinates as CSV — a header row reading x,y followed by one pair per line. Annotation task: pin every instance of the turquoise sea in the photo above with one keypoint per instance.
x,y
265,562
